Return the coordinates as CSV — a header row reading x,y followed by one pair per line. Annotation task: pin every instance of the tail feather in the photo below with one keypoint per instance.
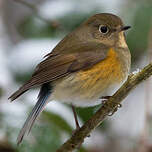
x,y
38,108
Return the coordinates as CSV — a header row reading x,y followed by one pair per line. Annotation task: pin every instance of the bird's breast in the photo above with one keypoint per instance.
x,y
89,85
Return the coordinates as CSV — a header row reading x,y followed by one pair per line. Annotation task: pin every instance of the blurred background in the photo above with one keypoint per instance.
x,y
29,29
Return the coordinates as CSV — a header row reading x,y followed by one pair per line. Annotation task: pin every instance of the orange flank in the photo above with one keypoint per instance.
x,y
92,83
101,75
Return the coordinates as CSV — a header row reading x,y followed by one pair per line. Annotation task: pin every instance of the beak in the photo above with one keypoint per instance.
x,y
124,28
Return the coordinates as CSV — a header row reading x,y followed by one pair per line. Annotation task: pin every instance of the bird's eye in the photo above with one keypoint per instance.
x,y
103,29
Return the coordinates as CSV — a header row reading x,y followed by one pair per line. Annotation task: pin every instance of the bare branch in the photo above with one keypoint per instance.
x,y
109,106
34,9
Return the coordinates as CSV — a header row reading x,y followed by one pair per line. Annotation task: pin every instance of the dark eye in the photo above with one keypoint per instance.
x,y
103,29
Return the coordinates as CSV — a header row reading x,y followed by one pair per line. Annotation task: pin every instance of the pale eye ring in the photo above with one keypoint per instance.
x,y
103,29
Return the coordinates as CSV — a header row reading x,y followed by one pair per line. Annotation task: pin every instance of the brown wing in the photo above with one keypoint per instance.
x,y
55,67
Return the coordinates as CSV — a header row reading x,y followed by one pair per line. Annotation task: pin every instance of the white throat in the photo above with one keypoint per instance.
x,y
121,40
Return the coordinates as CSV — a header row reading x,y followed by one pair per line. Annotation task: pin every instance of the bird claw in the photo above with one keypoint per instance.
x,y
118,106
77,128
74,131
104,99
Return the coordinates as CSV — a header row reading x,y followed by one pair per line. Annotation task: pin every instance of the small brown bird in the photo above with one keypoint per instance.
x,y
89,63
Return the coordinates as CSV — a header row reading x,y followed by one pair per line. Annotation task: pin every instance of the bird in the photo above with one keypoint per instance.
x,y
88,64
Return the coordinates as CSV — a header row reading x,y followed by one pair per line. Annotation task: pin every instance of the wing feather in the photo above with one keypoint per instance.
x,y
55,67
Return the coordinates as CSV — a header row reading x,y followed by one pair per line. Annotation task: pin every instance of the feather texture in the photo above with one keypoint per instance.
x,y
60,65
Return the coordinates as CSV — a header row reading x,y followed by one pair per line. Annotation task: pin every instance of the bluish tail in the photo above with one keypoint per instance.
x,y
38,108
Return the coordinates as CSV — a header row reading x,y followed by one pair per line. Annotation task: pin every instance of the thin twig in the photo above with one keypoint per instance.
x,y
27,4
35,11
133,80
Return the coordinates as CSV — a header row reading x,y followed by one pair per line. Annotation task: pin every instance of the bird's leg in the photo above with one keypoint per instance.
x,y
76,122
105,98
75,118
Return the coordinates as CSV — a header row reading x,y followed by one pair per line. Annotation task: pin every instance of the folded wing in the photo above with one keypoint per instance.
x,y
62,64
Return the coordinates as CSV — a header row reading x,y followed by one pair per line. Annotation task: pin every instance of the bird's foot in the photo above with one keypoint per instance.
x,y
115,109
118,105
74,131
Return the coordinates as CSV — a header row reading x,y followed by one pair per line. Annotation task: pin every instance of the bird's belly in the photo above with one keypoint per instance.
x,y
84,88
